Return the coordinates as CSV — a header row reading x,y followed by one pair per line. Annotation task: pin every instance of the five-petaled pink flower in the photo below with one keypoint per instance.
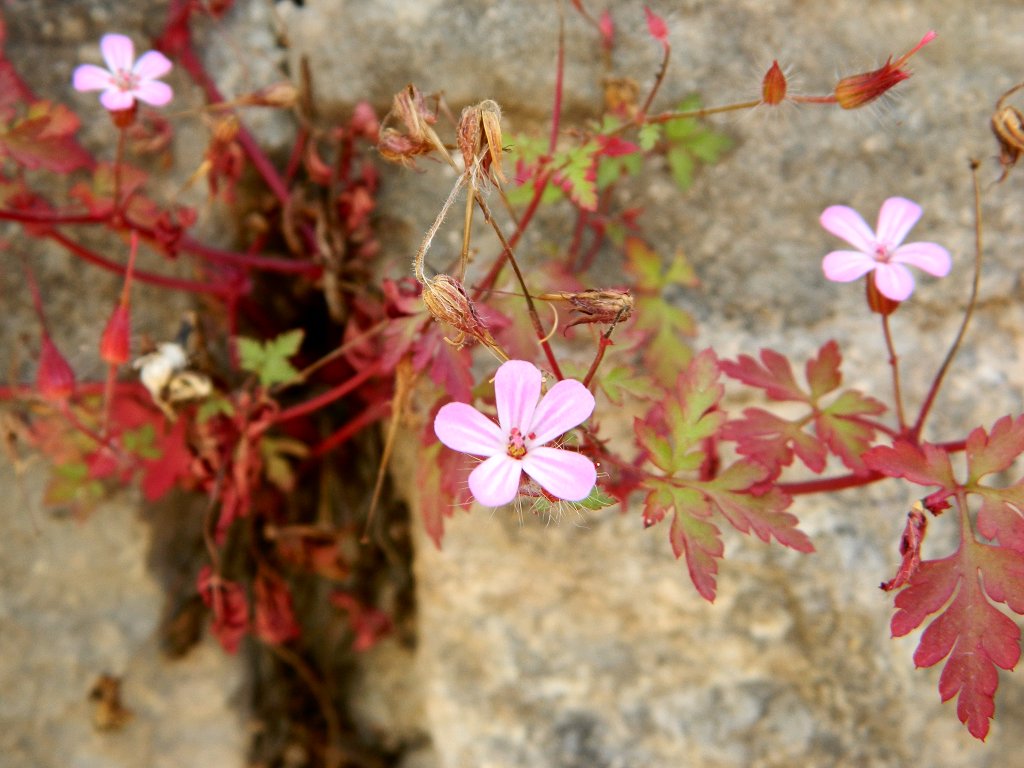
x,y
882,250
125,80
518,442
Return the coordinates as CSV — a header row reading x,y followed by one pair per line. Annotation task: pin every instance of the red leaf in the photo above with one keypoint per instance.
x,y
1000,517
44,138
926,465
368,623
841,428
996,450
230,609
441,477
975,636
174,467
656,26
772,441
275,617
775,376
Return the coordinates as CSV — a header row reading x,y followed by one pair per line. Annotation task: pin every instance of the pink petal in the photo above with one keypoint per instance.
x,y
895,219
117,100
463,428
151,65
931,257
496,480
845,266
118,51
846,223
566,405
565,474
154,92
516,389
89,77
894,281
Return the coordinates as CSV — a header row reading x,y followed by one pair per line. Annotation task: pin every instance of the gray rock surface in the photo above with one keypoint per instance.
x,y
583,644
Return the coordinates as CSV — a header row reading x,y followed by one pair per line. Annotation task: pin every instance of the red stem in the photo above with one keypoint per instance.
x,y
329,396
347,432
224,291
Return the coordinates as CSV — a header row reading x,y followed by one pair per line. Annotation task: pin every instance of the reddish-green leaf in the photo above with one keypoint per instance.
x,y
975,636
691,534
996,450
772,441
823,371
840,427
44,138
926,465
732,493
773,374
1001,516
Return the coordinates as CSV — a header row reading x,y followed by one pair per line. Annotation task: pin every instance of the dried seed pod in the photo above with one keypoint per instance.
x,y
480,125
448,301
610,306
1008,127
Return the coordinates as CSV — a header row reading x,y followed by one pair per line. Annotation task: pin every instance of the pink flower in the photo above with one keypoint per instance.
x,y
881,250
518,442
125,80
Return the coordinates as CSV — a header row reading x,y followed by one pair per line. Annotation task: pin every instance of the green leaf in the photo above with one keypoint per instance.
x,y
597,499
648,136
142,442
620,381
214,406
579,175
690,142
269,360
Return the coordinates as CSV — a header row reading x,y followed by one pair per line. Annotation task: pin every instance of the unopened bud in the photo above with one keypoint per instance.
x,y
773,86
857,90
226,130
879,303
55,379
282,95
115,344
123,118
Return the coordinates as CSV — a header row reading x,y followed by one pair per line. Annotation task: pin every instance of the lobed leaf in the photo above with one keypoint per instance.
x,y
994,451
975,636
773,374
773,441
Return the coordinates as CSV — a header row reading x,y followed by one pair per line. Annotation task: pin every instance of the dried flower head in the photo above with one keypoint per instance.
x,y
481,125
609,306
1008,127
857,90
447,301
409,108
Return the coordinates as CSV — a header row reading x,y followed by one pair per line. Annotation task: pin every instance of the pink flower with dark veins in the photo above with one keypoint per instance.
x,y
519,442
881,251
125,79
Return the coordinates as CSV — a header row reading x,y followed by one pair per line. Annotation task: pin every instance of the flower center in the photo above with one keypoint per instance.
x,y
882,253
125,80
517,443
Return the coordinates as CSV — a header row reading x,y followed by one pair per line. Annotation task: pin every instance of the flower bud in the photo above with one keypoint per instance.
x,y
55,378
773,86
115,344
283,95
879,303
857,90
124,118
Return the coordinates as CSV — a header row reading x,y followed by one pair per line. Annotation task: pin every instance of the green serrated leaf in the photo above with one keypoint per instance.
x,y
681,164
269,360
142,442
648,136
620,381
214,406
597,499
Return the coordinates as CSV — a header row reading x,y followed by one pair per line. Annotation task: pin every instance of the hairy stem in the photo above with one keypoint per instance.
x,y
894,363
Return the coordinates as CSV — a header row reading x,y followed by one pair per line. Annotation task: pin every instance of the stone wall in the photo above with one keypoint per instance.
x,y
583,643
